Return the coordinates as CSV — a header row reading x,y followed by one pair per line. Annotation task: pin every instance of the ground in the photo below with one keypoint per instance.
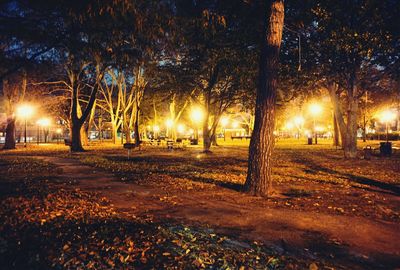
x,y
184,209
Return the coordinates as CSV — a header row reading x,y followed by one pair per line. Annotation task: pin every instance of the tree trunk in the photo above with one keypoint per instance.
x,y
258,181
84,136
127,131
348,130
136,128
114,133
206,130
214,136
10,134
336,141
350,146
76,142
77,117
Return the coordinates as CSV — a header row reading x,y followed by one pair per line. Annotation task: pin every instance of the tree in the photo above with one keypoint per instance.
x,y
258,181
344,46
13,91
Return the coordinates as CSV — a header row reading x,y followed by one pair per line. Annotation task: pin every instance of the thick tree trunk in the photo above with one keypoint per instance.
x,y
76,142
336,141
77,117
350,146
84,136
10,134
206,130
127,132
136,129
114,133
214,137
348,130
259,179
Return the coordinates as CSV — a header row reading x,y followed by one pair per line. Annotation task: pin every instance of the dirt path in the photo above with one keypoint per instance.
x,y
351,239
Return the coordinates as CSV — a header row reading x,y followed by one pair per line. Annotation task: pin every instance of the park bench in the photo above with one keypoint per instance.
x,y
178,144
369,151
247,137
129,147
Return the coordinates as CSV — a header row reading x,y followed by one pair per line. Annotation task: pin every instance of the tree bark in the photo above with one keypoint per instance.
x,y
348,129
336,141
76,142
350,146
136,129
258,181
10,134
214,136
77,119
13,95
206,130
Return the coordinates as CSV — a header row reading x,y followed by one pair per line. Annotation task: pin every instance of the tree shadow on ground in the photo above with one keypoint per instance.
x,y
9,187
180,167
224,184
379,185
120,243
313,245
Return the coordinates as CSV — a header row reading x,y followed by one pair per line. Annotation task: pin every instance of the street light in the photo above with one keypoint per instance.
x,y
25,111
43,122
169,123
235,124
156,129
224,122
299,122
59,131
315,109
197,116
387,117
181,128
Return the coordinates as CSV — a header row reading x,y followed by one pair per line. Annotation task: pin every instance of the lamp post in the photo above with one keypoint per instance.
x,y
59,131
224,123
169,123
197,116
299,121
315,109
156,129
386,147
181,129
25,111
43,122
387,117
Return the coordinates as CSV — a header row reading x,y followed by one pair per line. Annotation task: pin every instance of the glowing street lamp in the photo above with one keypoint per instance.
x,y
299,122
289,125
224,122
197,116
169,123
58,131
315,110
156,129
387,117
235,124
25,111
181,128
43,122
